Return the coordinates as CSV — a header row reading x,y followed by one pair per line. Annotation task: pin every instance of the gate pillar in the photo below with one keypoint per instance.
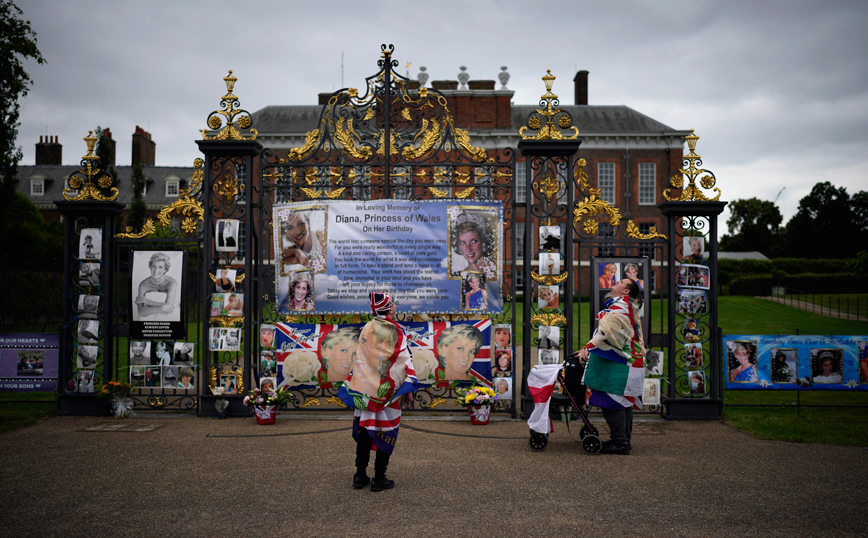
x,y
549,156
89,210
694,337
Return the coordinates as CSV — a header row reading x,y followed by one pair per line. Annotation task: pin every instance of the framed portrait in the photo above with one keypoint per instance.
x,y
654,362
827,365
549,263
157,294
549,238
608,272
88,331
266,336
88,306
692,302
86,357
227,235
549,356
475,296
863,362
693,276
140,352
90,244
692,355
741,361
549,337
503,387
503,362
184,354
651,393
549,297
784,364
224,280
693,250
696,381
295,292
474,241
502,335
226,379
88,274
300,238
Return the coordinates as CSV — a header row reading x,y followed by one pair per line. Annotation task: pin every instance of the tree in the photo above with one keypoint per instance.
x,y
754,225
138,210
826,224
17,43
22,225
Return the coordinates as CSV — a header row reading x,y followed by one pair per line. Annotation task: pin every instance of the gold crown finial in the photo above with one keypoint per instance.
x,y
692,172
232,130
549,80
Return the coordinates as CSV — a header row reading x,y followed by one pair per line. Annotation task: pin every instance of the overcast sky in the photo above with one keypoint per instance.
x,y
777,90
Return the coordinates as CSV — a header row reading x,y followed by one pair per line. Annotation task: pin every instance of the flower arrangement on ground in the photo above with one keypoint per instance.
x,y
114,389
260,397
476,395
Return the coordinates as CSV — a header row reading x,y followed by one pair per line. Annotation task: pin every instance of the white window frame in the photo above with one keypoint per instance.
x,y
37,187
647,183
520,182
173,193
606,181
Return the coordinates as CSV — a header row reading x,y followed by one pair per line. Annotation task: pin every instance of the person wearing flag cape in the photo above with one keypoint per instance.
x,y
615,367
382,377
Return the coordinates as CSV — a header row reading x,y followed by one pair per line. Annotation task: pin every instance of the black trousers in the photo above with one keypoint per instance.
x,y
363,455
620,423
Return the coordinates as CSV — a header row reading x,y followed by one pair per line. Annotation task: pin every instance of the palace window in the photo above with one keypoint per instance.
x,y
606,181
647,183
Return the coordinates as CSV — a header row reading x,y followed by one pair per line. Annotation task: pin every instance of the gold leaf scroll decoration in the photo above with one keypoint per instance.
x,y
548,280
346,137
633,231
311,401
550,319
147,229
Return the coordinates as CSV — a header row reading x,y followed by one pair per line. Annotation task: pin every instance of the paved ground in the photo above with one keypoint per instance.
x,y
166,476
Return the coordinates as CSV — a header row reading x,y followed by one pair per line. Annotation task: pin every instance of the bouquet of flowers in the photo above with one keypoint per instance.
x,y
114,389
476,395
260,397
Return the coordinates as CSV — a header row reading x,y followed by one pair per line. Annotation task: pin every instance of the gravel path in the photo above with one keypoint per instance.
x,y
167,476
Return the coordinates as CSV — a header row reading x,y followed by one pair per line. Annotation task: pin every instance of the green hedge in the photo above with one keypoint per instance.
x,y
762,285
791,266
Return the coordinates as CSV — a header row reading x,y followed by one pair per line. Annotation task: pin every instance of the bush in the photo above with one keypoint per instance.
x,y
790,266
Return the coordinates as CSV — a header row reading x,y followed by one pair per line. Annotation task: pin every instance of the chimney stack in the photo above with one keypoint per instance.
x,y
143,148
111,152
49,151
581,82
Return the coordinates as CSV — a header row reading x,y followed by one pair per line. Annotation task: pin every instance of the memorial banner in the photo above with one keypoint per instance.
x,y
435,256
28,362
444,353
798,362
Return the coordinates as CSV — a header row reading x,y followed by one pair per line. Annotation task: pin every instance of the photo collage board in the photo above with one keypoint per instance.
x,y
87,304
227,304
692,282
606,272
162,364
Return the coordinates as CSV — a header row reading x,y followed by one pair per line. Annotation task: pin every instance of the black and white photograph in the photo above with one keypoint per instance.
x,y
157,285
169,377
88,274
88,331
214,342
184,354
86,357
653,363
549,263
88,306
140,352
90,244
225,339
549,238
84,381
161,352
651,394
227,235
549,337
224,280
549,356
